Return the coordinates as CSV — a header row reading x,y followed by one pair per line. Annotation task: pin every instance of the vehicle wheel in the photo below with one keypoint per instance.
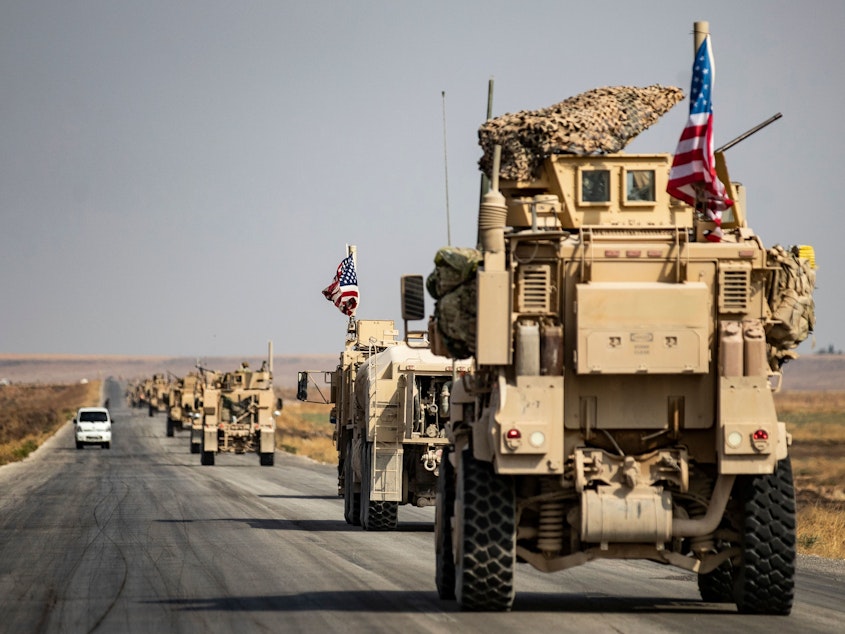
x,y
79,445
195,447
207,459
351,497
717,586
765,577
106,445
375,515
267,459
486,543
169,427
444,511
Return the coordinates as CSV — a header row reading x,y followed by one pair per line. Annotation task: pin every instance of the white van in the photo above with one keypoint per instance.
x,y
92,426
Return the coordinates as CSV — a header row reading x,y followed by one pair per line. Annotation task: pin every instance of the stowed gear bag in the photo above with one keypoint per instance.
x,y
452,284
790,301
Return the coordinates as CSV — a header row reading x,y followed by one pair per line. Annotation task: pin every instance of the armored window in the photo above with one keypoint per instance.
x,y
639,186
595,186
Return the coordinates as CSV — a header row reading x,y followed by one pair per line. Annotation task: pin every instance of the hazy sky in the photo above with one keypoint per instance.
x,y
182,177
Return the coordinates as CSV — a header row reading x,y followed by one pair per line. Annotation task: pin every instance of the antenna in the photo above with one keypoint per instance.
x,y
485,182
446,168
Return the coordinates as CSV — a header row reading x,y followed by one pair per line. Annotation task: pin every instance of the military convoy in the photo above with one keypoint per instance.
x,y
391,402
623,347
225,412
621,405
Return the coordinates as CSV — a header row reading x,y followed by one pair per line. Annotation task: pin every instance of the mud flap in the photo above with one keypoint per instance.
x,y
387,474
209,440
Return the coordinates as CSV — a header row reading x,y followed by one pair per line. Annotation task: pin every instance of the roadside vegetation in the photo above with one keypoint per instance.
x,y
32,413
816,421
305,429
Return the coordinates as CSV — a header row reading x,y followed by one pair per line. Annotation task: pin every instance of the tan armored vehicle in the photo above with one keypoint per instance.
x,y
184,402
157,390
621,405
239,414
209,379
138,392
391,406
135,393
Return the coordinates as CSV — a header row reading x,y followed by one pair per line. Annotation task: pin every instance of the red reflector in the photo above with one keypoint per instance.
x,y
760,434
514,434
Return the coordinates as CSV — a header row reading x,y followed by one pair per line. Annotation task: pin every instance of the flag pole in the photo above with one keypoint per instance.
x,y
700,30
351,328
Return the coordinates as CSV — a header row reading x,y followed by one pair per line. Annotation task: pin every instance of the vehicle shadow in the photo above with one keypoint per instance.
x,y
400,601
304,525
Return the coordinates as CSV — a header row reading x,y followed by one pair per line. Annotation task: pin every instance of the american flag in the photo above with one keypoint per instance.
x,y
343,290
693,176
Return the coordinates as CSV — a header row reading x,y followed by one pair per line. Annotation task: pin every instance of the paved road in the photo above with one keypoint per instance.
x,y
141,538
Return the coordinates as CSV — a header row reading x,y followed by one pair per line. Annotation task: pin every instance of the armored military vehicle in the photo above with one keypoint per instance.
x,y
184,400
239,414
391,406
209,379
621,405
157,389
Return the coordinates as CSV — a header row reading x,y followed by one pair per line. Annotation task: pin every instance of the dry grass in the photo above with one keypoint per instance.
x,y
305,429
816,421
813,415
821,531
33,413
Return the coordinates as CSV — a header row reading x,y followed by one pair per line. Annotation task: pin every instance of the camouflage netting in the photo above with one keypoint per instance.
x,y
791,302
598,121
452,285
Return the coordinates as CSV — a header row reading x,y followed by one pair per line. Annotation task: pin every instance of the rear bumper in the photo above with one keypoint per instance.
x,y
93,436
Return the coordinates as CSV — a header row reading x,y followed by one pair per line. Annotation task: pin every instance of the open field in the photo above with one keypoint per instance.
x,y
816,421
33,413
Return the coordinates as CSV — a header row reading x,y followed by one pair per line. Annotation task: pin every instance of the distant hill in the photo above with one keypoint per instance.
x,y
817,372
73,368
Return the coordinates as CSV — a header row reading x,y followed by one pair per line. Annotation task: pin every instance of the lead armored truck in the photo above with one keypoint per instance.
x,y
621,405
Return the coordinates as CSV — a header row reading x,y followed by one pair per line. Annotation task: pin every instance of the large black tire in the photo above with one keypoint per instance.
x,y
169,427
375,515
764,581
444,512
486,546
79,445
206,457
267,459
717,586
351,497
